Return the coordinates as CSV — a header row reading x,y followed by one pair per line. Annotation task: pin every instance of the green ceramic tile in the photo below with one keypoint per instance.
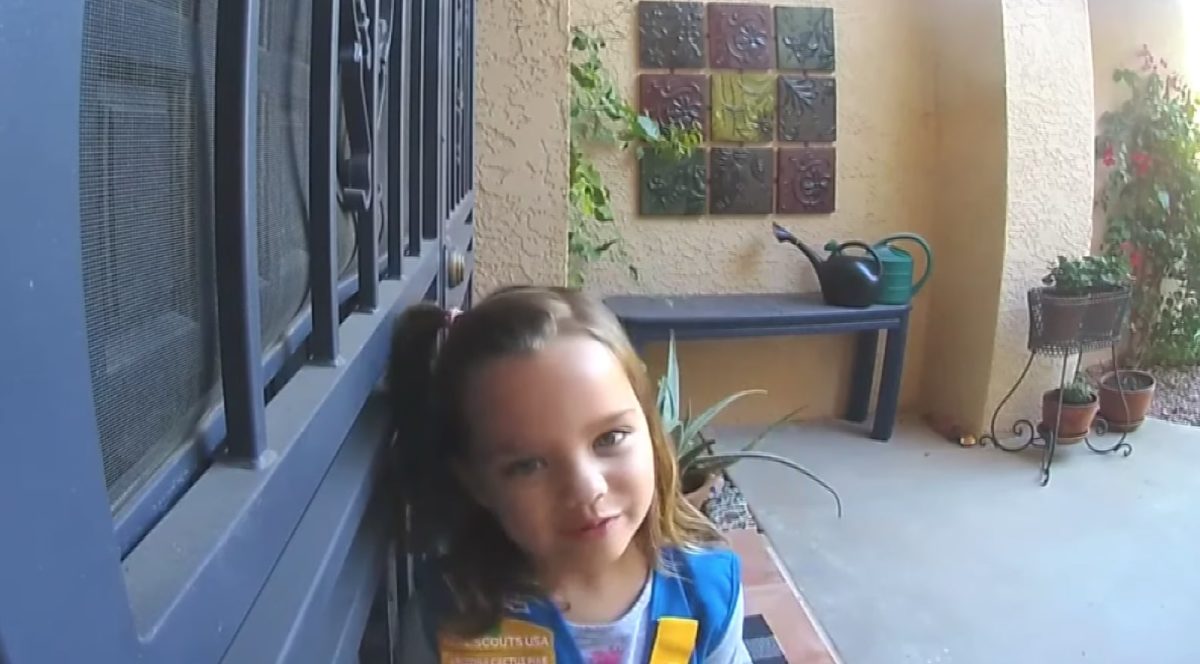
x,y
673,187
804,38
743,107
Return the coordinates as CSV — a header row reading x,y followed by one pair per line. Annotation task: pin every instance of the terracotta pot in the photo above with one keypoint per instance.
x,y
1076,418
1128,413
700,496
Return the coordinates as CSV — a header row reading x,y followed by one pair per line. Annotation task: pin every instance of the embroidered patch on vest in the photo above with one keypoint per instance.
x,y
511,642
674,641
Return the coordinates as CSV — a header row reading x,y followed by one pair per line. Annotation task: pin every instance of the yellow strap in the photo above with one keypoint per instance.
x,y
674,641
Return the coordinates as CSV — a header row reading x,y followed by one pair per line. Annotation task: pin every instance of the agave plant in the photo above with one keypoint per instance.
x,y
695,453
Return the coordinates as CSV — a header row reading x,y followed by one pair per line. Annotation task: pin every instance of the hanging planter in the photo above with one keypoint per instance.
x,y
1085,301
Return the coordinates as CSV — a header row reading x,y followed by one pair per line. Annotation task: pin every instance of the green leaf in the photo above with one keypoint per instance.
x,y
648,128
668,389
712,411
762,435
720,462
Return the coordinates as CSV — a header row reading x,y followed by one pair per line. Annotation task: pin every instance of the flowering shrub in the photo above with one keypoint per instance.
x,y
1151,201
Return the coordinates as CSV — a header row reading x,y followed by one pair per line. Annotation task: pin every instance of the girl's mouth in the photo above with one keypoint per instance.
x,y
594,528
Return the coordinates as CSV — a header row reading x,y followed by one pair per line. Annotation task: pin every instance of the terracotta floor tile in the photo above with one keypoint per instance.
x,y
798,638
758,567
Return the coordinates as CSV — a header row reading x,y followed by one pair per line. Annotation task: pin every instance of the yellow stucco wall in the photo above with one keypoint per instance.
x,y
884,180
1050,121
972,146
968,121
522,93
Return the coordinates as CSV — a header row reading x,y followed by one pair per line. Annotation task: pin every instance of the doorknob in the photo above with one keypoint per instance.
x,y
456,269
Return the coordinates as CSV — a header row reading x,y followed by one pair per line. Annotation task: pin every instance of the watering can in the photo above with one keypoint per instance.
x,y
896,283
846,280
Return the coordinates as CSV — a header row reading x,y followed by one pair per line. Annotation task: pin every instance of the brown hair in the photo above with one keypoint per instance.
x,y
480,563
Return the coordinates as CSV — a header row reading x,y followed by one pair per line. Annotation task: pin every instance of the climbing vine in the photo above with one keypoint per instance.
x,y
601,118
1151,199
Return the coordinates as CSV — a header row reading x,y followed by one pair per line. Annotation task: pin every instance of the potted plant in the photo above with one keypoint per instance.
x,y
1083,297
1079,406
1146,151
1124,404
701,467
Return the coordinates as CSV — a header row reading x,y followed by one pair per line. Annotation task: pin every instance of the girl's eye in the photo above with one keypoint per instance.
x,y
612,438
523,467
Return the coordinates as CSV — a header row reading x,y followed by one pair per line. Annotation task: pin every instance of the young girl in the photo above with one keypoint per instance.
x,y
545,498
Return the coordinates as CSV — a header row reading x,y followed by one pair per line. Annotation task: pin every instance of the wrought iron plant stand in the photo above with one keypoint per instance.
x,y
1065,327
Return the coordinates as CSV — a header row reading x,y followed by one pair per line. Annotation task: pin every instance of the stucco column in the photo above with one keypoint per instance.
x,y
1015,111
1050,112
522,94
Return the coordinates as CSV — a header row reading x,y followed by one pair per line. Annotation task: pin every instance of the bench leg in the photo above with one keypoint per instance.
x,y
889,385
863,376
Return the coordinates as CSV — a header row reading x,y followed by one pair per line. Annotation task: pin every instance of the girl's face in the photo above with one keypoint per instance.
x,y
561,453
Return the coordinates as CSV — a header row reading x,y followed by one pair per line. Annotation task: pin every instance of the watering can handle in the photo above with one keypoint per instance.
x,y
867,247
924,247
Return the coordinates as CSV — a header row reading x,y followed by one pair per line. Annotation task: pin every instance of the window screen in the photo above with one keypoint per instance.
x,y
146,226
283,136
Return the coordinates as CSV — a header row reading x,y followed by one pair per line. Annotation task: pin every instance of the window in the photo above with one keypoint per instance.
x,y
224,205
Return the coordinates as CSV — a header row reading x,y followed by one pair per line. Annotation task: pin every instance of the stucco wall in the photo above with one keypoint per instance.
x,y
972,145
968,121
885,166
1050,120
521,96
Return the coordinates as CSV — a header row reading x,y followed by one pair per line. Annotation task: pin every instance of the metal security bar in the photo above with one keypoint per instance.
x,y
235,131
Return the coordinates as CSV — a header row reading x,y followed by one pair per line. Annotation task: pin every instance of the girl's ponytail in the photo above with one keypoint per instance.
x,y
410,387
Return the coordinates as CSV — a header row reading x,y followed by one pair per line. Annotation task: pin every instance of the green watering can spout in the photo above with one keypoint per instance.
x,y
898,286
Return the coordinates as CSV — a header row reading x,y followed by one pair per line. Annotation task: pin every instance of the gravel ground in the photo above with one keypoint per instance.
x,y
1177,397
728,509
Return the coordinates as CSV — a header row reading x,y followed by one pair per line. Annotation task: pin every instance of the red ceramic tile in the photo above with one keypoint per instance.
x,y
758,567
740,36
807,180
676,99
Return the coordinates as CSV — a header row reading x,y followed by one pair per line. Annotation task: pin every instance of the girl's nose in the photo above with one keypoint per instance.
x,y
587,483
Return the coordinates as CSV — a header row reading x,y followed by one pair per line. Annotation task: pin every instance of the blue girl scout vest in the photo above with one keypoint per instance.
x,y
691,607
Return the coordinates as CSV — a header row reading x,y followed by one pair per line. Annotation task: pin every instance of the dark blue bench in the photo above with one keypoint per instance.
x,y
648,318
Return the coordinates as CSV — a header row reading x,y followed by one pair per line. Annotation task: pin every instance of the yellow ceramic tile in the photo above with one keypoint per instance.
x,y
743,107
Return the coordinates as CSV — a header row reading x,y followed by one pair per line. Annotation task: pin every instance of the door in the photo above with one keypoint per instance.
x,y
214,210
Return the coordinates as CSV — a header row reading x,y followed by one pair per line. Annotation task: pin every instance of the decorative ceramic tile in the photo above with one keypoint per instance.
x,y
673,187
743,180
671,34
676,99
740,36
807,109
804,37
806,180
743,107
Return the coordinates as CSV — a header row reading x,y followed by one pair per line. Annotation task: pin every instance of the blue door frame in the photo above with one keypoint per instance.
x,y
271,535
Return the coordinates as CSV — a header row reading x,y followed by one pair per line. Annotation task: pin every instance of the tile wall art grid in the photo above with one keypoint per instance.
x,y
758,82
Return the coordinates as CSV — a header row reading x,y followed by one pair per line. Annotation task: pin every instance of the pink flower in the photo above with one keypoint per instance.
x,y
1135,255
1108,157
1141,163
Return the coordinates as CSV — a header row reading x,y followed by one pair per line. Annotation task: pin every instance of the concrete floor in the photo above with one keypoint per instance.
x,y
949,554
